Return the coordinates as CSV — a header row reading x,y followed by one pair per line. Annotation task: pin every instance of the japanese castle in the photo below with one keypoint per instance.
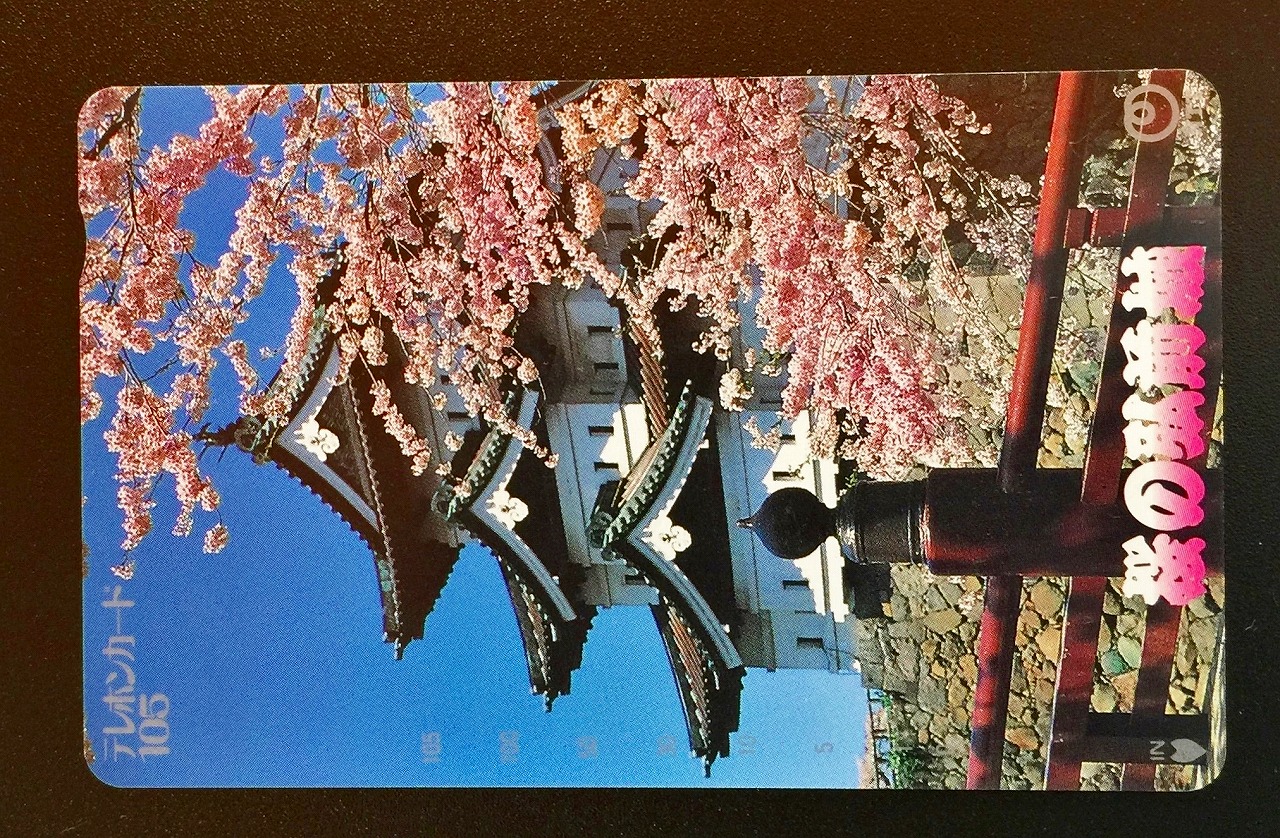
x,y
641,509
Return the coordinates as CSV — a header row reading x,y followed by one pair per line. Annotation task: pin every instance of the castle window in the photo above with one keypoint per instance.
x,y
809,643
600,430
794,583
606,366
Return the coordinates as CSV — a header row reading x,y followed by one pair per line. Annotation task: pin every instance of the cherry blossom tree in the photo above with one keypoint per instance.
x,y
827,247
444,217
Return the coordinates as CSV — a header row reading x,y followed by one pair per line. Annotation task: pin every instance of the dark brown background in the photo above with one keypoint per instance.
x,y
53,55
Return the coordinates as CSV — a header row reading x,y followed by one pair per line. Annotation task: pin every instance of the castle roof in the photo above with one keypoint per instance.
x,y
707,667
363,477
551,628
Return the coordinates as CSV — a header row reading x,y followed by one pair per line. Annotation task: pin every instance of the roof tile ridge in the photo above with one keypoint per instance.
x,y
376,495
307,484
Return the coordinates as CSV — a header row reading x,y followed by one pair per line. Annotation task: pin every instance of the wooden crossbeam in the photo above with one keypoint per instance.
x,y
1104,227
1042,304
1074,688
997,639
1151,694
1024,417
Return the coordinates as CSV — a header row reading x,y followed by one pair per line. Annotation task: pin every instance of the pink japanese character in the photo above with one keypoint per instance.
x,y
1164,568
1167,278
1167,429
1165,495
1163,353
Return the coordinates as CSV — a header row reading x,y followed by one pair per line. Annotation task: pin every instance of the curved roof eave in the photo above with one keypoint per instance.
x,y
680,591
525,408
495,460
667,467
511,547
494,463
665,474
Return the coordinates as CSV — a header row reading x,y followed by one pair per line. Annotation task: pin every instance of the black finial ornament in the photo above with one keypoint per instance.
x,y
792,523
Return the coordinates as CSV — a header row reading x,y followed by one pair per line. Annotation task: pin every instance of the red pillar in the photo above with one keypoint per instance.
x,y
1043,301
1025,415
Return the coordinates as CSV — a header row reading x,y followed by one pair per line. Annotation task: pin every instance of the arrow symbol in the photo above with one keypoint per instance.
x,y
1186,750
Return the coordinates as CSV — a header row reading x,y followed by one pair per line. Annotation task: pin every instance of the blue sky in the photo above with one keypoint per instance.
x,y
271,654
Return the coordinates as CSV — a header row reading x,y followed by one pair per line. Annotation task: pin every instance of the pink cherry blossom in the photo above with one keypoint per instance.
x,y
749,216
418,229
216,538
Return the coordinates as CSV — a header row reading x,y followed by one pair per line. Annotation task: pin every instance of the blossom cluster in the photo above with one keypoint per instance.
x,y
415,230
823,247
145,297
438,214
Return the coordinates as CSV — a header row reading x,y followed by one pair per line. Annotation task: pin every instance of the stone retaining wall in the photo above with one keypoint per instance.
x,y
923,656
